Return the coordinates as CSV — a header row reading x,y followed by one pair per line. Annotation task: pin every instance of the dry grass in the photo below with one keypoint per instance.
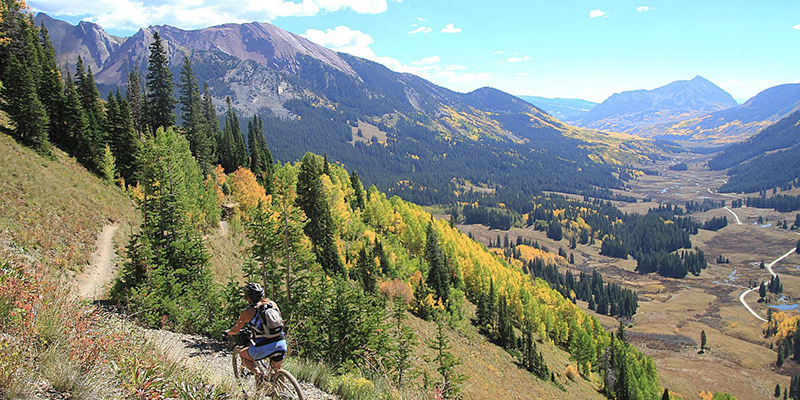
x,y
52,210
368,131
228,247
493,373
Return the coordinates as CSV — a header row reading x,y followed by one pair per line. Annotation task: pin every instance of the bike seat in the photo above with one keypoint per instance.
x,y
277,356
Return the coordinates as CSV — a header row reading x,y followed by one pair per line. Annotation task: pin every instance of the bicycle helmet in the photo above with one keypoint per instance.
x,y
253,292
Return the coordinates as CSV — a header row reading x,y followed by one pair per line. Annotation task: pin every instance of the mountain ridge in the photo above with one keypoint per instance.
x,y
634,110
311,98
734,124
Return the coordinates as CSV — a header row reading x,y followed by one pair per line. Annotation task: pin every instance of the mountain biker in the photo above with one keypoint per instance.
x,y
274,348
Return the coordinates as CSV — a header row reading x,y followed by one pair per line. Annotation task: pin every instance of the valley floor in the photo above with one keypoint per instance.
x,y
673,312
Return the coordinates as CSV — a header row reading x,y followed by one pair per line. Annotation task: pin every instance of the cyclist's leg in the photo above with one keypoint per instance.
x,y
247,360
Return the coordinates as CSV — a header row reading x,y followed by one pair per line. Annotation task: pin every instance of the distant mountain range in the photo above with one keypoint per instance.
x,y
562,109
636,110
401,132
733,124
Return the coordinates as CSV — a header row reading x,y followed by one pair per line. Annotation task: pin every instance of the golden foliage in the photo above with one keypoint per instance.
x,y
528,253
781,325
245,189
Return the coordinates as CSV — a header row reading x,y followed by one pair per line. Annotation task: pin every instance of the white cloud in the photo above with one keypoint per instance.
x,y
191,14
498,52
427,61
643,9
597,13
421,29
359,44
796,27
343,39
518,59
449,28
523,73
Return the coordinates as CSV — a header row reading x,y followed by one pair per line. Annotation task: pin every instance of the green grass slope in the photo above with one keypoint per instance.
x,y
53,209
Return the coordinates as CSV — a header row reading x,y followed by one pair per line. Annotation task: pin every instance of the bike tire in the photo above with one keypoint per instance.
x,y
287,387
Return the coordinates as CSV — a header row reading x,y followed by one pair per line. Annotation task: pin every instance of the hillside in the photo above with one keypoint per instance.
x,y
313,99
734,124
494,371
52,210
561,109
767,160
634,111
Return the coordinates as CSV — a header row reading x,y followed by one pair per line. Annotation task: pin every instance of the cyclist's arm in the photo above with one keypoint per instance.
x,y
244,318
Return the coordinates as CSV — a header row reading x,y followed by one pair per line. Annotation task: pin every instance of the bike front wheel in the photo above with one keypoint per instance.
x,y
286,386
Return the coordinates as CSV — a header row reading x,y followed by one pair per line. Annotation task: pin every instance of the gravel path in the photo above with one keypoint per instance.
x,y
212,359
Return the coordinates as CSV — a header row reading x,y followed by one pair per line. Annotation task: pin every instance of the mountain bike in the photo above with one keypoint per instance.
x,y
267,381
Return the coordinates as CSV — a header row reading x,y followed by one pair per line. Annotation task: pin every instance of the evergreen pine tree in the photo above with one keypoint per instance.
x,y
51,89
160,92
359,200
125,142
133,93
90,101
24,107
261,164
445,362
167,279
232,151
405,340
89,147
438,273
702,341
367,272
77,125
312,200
194,118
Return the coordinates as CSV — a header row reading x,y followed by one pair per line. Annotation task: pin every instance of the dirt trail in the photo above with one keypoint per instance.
x,y
101,271
203,355
213,359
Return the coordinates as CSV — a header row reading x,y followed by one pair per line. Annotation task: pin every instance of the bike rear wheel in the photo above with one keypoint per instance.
x,y
286,386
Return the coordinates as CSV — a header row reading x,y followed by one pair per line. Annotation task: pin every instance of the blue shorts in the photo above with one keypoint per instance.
x,y
264,351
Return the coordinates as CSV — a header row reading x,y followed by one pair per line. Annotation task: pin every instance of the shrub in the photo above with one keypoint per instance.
x,y
571,372
397,288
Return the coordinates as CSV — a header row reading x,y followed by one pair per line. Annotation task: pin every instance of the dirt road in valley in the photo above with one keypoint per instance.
x,y
769,268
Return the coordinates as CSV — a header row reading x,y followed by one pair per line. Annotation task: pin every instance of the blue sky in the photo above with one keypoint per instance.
x,y
572,48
